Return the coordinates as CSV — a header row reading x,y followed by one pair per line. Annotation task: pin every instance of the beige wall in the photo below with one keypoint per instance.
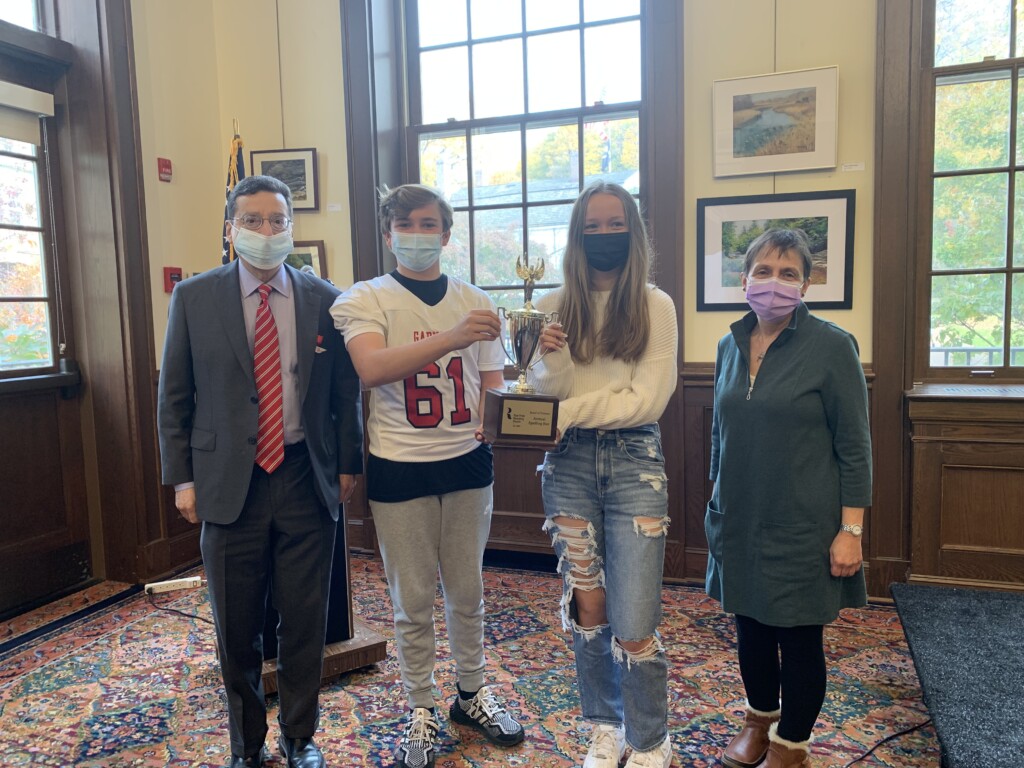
x,y
740,38
276,68
273,66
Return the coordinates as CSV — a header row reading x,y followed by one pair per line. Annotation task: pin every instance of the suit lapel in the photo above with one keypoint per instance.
x,y
229,295
307,318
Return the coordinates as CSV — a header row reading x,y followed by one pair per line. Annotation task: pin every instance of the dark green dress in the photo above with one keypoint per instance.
x,y
787,454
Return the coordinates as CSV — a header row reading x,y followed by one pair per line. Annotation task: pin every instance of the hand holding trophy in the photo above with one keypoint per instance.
x,y
518,415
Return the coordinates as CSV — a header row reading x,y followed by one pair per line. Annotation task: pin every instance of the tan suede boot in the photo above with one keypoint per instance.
x,y
749,746
786,754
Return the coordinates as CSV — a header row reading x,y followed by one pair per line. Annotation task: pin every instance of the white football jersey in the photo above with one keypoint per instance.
x,y
433,414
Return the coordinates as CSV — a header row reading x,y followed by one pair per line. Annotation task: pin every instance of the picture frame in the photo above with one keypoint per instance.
x,y
786,121
295,167
309,253
727,225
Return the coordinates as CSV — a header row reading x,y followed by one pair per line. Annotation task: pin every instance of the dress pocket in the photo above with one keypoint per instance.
x,y
790,562
713,523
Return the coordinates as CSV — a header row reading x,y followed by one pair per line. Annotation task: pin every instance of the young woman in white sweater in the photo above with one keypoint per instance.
x,y
612,362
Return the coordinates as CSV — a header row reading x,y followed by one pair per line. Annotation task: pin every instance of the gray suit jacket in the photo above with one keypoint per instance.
x,y
207,405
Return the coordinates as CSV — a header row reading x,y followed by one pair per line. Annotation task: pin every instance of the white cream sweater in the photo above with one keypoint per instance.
x,y
608,393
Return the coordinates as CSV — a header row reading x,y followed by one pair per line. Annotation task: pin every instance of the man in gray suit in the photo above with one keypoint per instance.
x,y
260,434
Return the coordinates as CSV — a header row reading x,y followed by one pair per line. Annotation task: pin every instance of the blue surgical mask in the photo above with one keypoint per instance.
x,y
262,251
416,251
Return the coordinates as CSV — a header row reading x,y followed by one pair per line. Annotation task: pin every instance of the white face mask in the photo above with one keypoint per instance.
x,y
416,251
263,251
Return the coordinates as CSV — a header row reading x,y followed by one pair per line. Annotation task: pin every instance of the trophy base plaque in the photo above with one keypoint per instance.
x,y
520,419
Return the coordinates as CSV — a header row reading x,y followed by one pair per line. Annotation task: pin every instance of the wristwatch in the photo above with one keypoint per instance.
x,y
855,530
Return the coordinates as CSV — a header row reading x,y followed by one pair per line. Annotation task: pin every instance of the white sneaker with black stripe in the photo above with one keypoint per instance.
x,y
485,713
415,748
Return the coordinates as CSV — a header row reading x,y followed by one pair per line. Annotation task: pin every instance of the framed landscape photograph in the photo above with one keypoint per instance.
x,y
727,225
779,122
309,253
296,168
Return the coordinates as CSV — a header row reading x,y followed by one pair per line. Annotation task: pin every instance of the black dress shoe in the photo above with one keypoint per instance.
x,y
301,753
253,761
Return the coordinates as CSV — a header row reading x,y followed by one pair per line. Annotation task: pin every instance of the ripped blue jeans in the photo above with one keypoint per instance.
x,y
613,484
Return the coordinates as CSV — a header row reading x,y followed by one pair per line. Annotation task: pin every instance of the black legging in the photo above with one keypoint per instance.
x,y
800,676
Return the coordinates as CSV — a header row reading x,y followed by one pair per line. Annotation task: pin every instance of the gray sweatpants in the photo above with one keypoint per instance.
x,y
418,537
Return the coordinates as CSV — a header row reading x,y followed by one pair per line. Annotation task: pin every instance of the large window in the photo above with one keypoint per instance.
x,y
27,301
514,107
975,267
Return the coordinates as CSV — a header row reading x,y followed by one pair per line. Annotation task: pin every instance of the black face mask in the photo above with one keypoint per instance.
x,y
606,252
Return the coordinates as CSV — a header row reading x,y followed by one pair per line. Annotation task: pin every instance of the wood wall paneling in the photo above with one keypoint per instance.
x,y
896,129
968,488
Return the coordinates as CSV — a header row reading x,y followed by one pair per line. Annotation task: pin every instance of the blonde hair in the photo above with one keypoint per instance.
x,y
627,323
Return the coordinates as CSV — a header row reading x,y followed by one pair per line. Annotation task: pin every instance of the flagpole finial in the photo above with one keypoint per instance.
x,y
234,123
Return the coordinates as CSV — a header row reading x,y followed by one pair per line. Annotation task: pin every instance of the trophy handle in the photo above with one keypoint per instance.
x,y
550,317
503,314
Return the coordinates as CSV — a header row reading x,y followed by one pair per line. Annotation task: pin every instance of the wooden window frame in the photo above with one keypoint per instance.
x,y
927,76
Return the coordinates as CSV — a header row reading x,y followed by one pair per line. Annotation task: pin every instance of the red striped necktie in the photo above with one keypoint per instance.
x,y
267,363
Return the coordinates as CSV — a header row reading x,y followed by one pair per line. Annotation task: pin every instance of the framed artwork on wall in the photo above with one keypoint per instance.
x,y
727,225
296,168
786,121
309,255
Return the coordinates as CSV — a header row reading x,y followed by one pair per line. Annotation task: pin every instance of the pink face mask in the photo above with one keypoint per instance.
x,y
772,299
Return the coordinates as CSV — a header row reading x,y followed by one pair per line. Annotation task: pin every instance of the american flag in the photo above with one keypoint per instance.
x,y
236,172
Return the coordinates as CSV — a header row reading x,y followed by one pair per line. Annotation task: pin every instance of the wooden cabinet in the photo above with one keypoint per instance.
x,y
967,518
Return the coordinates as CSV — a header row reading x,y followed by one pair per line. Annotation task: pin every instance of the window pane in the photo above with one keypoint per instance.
x,y
612,79
455,256
20,12
548,230
443,162
18,147
512,298
444,85
441,21
497,79
490,18
19,192
545,14
1017,322
972,121
612,152
498,236
970,30
552,162
1018,222
553,62
21,264
597,10
497,170
967,320
969,222
25,338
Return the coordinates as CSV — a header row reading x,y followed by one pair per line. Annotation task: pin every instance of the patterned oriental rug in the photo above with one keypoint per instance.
x,y
105,678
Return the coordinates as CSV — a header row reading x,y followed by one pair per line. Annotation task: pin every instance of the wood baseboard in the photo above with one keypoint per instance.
x,y
365,648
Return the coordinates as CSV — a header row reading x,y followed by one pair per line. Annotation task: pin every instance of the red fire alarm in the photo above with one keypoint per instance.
x,y
172,275
164,167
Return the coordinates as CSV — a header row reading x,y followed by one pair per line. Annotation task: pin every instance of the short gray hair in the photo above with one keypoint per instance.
x,y
780,240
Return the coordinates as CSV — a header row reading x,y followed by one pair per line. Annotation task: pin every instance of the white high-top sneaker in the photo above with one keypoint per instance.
x,y
607,746
659,757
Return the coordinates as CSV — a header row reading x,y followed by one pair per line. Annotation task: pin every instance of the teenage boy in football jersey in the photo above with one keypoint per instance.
x,y
428,347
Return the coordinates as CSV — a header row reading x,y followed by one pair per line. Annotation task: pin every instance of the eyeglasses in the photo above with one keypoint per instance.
x,y
278,221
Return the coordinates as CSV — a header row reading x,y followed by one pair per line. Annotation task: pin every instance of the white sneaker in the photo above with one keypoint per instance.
x,y
659,757
607,746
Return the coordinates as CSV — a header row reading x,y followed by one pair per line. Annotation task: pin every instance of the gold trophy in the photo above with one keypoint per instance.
x,y
517,415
